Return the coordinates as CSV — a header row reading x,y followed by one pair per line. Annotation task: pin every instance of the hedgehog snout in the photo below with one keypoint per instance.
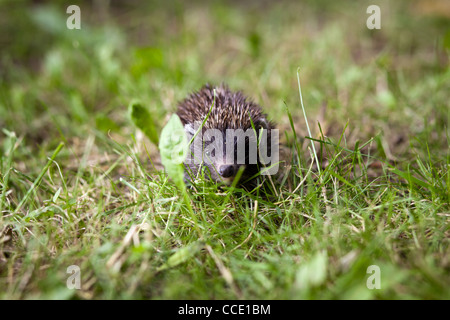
x,y
227,170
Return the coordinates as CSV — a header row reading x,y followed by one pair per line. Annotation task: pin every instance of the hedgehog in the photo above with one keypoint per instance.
x,y
235,139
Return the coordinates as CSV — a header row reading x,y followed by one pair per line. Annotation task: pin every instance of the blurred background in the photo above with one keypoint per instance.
x,y
60,84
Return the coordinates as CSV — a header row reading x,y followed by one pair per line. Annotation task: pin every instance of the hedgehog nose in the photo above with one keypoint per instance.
x,y
226,170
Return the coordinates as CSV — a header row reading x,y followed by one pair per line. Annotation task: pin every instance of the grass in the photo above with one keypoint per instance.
x,y
80,185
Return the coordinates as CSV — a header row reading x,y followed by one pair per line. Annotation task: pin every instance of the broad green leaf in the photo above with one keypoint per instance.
x,y
143,120
173,147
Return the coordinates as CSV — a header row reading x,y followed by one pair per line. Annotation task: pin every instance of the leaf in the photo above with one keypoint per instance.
x,y
182,255
173,147
143,120
313,272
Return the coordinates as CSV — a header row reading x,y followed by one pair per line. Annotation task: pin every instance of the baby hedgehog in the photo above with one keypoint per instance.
x,y
230,139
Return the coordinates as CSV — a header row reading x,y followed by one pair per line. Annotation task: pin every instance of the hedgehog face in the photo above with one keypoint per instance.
x,y
220,157
223,153
226,142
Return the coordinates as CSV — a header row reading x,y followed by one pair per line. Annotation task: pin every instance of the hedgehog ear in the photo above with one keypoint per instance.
x,y
262,123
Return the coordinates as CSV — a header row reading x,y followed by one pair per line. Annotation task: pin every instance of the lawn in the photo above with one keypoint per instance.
x,y
83,188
